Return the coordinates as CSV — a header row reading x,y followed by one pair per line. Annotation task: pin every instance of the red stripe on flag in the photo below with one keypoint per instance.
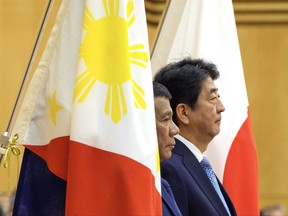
x,y
105,183
55,154
241,171
101,182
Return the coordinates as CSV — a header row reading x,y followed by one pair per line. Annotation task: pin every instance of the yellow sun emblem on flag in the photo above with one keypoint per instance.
x,y
108,56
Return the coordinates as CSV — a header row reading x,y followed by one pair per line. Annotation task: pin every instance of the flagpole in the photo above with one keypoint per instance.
x,y
4,139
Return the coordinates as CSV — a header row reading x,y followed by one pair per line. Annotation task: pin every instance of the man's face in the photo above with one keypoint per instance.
x,y
166,129
205,119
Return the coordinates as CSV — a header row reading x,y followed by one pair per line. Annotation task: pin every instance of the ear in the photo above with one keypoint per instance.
x,y
181,111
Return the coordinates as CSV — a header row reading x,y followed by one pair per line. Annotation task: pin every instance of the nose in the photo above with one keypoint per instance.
x,y
220,107
174,130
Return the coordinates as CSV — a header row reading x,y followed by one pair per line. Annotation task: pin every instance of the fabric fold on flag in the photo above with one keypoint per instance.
x,y
88,116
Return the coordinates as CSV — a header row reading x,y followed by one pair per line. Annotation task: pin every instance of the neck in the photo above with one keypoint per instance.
x,y
200,142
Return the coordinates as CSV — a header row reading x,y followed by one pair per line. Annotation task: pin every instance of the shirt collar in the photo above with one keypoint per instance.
x,y
197,153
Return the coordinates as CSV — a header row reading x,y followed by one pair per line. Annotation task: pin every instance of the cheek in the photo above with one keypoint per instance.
x,y
209,113
162,134
161,147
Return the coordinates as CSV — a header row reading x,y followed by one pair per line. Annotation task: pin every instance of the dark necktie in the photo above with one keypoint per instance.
x,y
209,171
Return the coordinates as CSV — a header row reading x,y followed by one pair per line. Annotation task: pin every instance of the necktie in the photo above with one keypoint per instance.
x,y
209,171
169,191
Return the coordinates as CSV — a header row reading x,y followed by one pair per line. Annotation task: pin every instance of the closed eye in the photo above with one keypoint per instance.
x,y
166,119
216,97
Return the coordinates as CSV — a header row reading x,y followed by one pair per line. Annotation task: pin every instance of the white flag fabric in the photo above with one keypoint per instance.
x,y
89,111
207,30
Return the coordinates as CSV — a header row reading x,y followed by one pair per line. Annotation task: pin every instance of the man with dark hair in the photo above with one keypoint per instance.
x,y
166,130
197,112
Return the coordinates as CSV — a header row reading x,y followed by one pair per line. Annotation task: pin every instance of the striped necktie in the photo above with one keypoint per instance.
x,y
209,171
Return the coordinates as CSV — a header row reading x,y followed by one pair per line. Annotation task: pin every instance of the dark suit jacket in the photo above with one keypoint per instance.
x,y
169,208
192,189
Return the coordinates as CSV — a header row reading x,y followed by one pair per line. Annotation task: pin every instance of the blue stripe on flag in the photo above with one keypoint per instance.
x,y
39,191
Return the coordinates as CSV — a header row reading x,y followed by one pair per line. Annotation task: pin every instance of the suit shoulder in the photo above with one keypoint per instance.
x,y
174,161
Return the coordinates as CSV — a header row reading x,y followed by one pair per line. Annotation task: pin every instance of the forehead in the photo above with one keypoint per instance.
x,y
208,86
162,105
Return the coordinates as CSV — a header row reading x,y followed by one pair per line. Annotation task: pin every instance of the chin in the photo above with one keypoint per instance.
x,y
217,131
169,156
166,157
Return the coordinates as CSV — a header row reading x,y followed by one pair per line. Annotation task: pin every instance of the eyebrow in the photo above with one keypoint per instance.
x,y
168,112
213,90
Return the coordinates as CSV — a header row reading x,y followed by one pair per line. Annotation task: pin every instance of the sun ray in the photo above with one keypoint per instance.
x,y
139,95
138,55
138,63
86,90
130,13
82,76
111,7
116,111
115,105
117,7
84,83
137,47
88,18
108,100
123,102
105,7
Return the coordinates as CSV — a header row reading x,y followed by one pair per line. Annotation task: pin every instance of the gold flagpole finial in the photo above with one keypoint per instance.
x,y
11,149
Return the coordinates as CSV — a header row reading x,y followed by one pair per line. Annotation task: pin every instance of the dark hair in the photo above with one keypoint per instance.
x,y
161,91
184,80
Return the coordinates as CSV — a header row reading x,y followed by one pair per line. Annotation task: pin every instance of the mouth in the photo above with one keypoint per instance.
x,y
171,146
218,121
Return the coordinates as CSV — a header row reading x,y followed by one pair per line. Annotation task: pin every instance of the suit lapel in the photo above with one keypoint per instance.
x,y
169,202
227,199
193,166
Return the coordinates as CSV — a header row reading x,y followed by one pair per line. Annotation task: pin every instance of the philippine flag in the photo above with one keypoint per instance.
x,y
87,120
206,29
